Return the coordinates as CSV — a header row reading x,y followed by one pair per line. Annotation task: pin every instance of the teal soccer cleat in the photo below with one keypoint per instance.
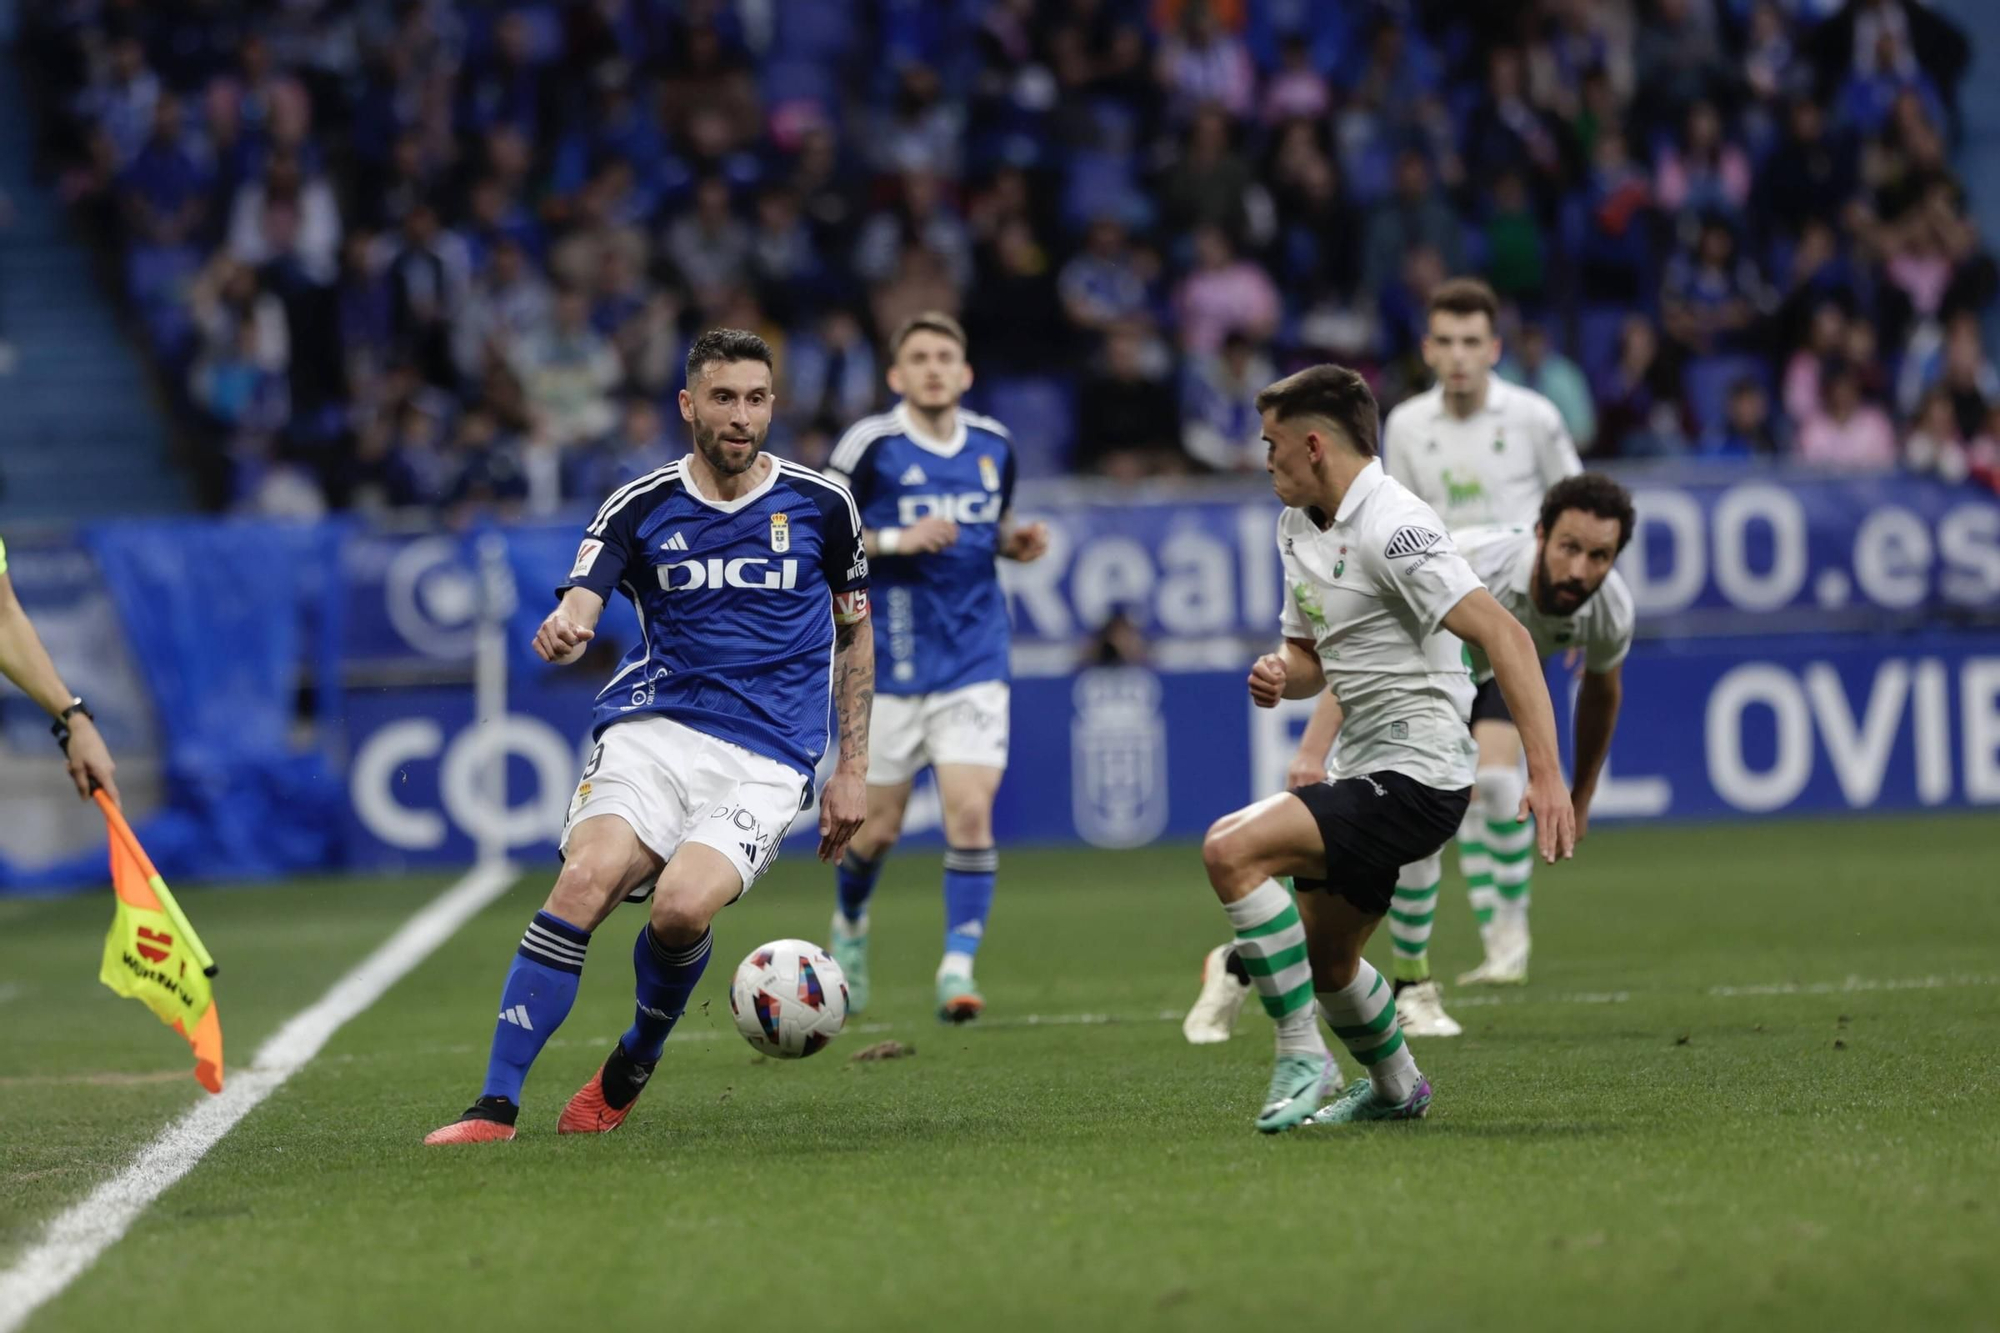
x,y
1298,1085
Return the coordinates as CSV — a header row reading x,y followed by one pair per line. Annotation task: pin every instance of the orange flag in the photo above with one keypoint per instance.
x,y
152,954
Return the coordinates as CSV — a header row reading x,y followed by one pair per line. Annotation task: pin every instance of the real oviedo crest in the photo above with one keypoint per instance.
x,y
989,472
781,533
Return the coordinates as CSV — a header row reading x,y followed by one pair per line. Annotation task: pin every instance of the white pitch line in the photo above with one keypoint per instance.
x,y
75,1239
1851,985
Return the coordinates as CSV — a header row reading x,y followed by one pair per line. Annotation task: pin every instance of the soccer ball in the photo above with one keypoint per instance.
x,y
789,998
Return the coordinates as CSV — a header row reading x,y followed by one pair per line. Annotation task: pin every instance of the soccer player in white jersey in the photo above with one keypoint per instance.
x,y
751,585
1479,451
1557,580
936,487
1376,593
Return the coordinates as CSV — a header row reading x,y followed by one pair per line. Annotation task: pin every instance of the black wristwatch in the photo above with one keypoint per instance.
x,y
60,727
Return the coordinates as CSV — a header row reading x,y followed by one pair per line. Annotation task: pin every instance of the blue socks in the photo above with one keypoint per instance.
x,y
541,986
666,977
968,896
856,880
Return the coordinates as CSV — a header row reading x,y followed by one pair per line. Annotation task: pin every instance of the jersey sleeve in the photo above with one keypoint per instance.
x,y
1418,564
1558,456
610,544
852,463
843,559
1608,647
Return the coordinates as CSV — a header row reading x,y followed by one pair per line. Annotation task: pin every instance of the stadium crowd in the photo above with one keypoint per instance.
x,y
416,252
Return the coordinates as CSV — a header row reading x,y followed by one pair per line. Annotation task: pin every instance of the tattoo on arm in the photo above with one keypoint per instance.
x,y
854,686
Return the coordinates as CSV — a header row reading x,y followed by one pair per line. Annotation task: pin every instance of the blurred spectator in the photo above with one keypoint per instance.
x,y
1935,444
1703,173
1223,293
1126,424
286,217
1533,363
1297,91
1711,298
1203,64
1640,414
1515,245
1105,284
163,190
1956,366
831,378
1015,318
1207,186
639,445
921,219
427,282
567,370
709,246
922,131
1220,422
1745,430
1117,642
1846,432
1416,216
486,473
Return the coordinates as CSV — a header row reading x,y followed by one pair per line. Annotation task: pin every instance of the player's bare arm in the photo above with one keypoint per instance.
x,y
1597,701
1483,622
927,536
26,662
570,627
844,804
1293,672
1309,764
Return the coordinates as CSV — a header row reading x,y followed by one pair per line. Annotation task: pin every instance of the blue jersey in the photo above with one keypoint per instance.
x,y
940,619
735,603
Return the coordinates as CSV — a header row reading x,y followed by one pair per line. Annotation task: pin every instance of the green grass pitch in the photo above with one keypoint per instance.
x,y
1753,1082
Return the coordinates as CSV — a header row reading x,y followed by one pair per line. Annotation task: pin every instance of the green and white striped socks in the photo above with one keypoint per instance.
x,y
1271,942
1510,848
1363,1015
1411,913
1477,867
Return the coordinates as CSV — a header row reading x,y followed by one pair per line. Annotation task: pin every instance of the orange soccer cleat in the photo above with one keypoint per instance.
x,y
591,1110
488,1120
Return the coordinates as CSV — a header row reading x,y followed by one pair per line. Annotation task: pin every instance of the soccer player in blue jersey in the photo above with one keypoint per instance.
x,y
935,484
751,584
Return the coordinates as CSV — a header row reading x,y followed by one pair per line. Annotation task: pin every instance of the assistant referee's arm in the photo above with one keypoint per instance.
x,y
25,661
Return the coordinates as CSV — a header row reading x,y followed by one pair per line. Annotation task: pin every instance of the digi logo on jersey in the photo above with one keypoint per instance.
x,y
750,571
964,507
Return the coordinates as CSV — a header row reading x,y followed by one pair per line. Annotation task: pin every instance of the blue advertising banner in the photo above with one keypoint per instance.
x,y
1118,757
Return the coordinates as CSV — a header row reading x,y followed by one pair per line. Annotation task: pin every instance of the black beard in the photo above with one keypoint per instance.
x,y
1546,588
709,442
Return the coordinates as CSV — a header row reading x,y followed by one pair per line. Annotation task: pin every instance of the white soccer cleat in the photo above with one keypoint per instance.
x,y
1213,1017
1506,957
1420,1012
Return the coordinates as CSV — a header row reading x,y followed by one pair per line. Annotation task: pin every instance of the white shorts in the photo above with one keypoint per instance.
x,y
675,785
907,732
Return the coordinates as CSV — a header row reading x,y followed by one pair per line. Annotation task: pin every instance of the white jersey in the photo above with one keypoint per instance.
x,y
1504,559
1491,467
1370,592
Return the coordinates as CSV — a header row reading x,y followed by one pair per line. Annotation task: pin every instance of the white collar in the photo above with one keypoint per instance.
x,y
907,423
731,506
1358,491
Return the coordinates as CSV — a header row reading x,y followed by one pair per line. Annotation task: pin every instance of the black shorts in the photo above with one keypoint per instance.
x,y
1374,826
1489,705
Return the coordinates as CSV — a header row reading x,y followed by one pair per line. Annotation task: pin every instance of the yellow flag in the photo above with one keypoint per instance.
x,y
152,954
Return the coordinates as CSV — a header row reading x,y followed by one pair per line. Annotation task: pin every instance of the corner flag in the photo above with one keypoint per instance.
x,y
152,954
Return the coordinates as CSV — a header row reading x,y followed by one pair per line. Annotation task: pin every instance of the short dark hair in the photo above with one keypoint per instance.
x,y
928,321
1593,493
725,345
1465,296
1333,392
